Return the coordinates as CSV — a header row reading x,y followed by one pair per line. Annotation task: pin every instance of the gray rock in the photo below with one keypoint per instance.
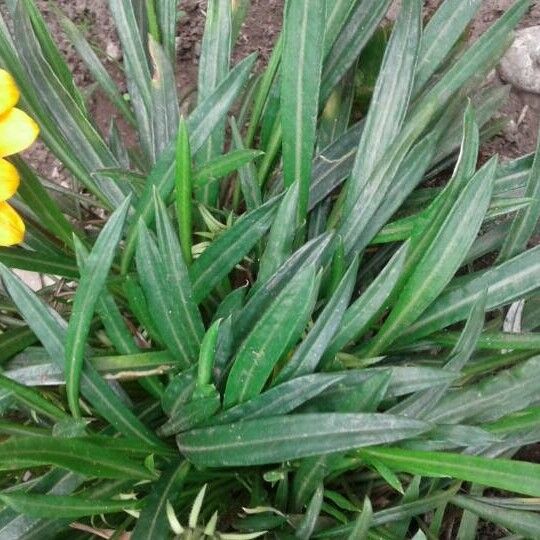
x,y
520,66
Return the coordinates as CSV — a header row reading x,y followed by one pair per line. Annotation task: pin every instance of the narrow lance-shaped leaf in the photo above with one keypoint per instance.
x,y
390,99
441,34
273,334
43,205
32,399
492,398
184,191
165,113
213,68
96,68
300,80
362,22
281,237
525,222
369,305
74,454
309,352
314,253
164,309
247,174
68,117
280,399
177,278
518,521
505,283
307,525
483,52
442,258
167,13
433,216
92,281
504,474
284,438
229,249
58,506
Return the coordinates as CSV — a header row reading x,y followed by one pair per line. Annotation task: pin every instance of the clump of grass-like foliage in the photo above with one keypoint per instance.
x,y
277,306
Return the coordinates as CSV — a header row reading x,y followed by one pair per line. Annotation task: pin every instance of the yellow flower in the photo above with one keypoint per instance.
x,y
17,132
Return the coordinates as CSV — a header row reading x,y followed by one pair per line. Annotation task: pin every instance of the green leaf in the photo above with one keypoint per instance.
x,y
441,259
492,398
32,399
152,523
96,68
224,165
177,279
394,513
280,240
155,275
303,40
440,35
58,506
525,222
167,13
184,191
34,261
51,53
505,283
66,113
190,415
308,354
307,525
50,329
76,455
136,62
481,54
43,206
270,338
368,306
312,254
264,89
247,174
390,100
362,22
92,282
363,521
213,68
15,340
505,474
273,440
165,112
280,399
179,390
519,522
229,248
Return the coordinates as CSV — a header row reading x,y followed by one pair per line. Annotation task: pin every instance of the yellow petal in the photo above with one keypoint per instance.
x,y
9,180
17,132
11,226
9,93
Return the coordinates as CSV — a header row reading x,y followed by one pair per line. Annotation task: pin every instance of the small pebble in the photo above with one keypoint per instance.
x,y
520,66
113,51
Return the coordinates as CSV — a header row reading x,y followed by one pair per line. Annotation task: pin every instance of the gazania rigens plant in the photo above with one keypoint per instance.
x,y
264,296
